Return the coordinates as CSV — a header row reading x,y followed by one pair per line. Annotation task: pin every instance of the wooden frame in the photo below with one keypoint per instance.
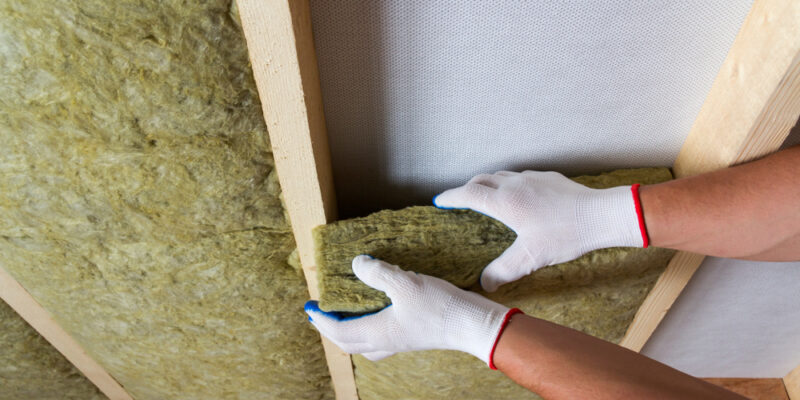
x,y
750,109
32,312
281,47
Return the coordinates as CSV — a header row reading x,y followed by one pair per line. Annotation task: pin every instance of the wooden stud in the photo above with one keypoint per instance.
x,y
31,311
750,109
753,388
792,383
281,47
655,306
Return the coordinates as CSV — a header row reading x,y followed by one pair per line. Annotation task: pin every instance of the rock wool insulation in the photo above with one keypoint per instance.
x,y
139,202
32,369
598,293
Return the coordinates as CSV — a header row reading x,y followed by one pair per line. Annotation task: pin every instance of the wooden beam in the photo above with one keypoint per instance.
x,y
655,306
281,47
792,383
31,311
750,109
753,388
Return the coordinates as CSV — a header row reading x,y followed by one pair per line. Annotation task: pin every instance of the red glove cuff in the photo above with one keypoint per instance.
x,y
507,318
640,214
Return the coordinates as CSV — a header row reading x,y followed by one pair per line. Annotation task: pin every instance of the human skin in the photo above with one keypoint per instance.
x,y
750,211
561,363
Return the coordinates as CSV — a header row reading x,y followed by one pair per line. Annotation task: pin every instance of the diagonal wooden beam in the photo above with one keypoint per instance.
x,y
281,47
792,383
37,317
749,111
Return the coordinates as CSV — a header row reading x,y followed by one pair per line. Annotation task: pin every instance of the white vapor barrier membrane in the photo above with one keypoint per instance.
x,y
734,319
421,95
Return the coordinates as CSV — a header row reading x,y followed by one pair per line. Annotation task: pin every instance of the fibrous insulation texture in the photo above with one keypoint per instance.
x,y
598,293
139,202
30,368
454,245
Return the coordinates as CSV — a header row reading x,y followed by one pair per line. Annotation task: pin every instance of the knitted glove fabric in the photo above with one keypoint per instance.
x,y
426,313
556,219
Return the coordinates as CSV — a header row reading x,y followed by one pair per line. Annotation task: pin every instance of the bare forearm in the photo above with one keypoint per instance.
x,y
561,363
750,211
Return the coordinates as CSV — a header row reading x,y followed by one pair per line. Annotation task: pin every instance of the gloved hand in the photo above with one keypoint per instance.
x,y
426,313
556,219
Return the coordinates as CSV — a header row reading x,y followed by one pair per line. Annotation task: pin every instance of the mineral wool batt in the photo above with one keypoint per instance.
x,y
139,202
598,293
451,244
30,368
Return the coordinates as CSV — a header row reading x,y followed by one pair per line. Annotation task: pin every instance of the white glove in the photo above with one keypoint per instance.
x,y
426,313
556,219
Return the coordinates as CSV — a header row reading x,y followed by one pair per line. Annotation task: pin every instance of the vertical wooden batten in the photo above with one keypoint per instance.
x,y
37,317
748,113
281,46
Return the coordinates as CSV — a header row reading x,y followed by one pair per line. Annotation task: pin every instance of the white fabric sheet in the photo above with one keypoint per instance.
x,y
734,319
421,95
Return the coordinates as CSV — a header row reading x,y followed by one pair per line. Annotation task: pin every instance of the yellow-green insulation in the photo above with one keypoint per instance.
x,y
32,369
139,202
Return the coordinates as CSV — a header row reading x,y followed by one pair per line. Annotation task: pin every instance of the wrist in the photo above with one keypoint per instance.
x,y
610,218
476,325
506,320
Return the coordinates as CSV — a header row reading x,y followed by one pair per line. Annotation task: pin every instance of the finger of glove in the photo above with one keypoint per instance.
x,y
473,196
383,276
377,355
341,329
514,263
